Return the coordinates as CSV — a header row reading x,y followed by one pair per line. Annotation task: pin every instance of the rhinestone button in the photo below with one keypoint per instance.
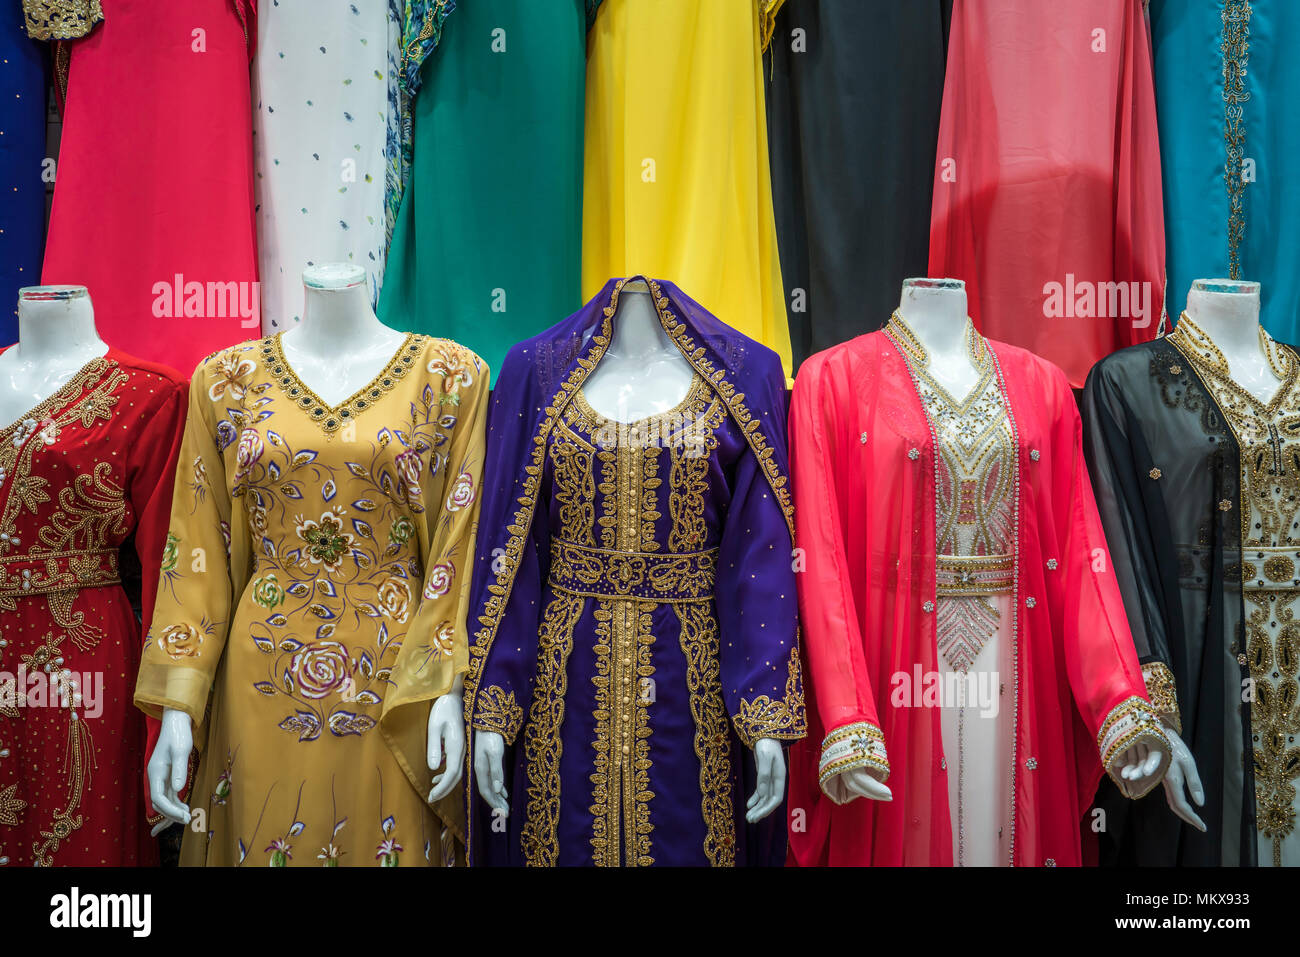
x,y
1225,505
1051,564
1155,473
913,454
1033,454
1030,602
863,437
928,607
1032,764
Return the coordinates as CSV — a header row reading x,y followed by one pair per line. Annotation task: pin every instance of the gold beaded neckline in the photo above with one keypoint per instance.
x,y
333,417
1195,343
901,334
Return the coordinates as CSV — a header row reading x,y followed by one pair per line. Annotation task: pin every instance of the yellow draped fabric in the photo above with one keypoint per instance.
x,y
317,566
676,179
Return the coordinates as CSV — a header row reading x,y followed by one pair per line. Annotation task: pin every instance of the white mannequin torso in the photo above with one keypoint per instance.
x,y
1228,312
340,344
935,310
56,338
642,372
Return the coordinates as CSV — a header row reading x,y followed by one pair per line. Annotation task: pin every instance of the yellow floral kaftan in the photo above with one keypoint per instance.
x,y
315,552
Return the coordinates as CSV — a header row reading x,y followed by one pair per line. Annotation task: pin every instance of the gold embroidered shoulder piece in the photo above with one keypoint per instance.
x,y
61,19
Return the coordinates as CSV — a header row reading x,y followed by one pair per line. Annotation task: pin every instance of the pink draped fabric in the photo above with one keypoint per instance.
x,y
153,205
1047,185
863,478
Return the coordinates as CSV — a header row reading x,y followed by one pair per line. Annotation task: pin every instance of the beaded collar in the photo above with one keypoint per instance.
x,y
901,334
1195,343
331,418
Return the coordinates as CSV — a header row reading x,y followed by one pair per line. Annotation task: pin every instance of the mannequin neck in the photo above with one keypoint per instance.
x,y
334,316
58,329
1230,319
638,333
935,311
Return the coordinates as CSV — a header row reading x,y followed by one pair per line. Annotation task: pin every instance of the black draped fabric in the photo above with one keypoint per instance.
x,y
853,107
1165,467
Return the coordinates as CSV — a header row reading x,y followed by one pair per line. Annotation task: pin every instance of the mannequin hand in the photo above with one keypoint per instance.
x,y
167,767
1182,773
446,737
1138,767
771,780
856,783
489,769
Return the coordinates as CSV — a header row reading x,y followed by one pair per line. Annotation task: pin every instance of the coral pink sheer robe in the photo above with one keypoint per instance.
x,y
863,473
1047,183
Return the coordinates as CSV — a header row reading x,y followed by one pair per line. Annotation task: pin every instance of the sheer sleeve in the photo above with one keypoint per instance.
x,y
1102,666
191,614
152,473
1115,451
832,641
436,650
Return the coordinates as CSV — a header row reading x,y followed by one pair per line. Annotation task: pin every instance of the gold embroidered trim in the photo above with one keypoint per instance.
x,y
24,576
1163,693
542,746
600,573
1268,439
606,827
767,11
699,641
1195,343
80,755
974,575
1235,47
332,418
497,710
856,745
87,397
625,670
1131,721
61,19
910,344
784,719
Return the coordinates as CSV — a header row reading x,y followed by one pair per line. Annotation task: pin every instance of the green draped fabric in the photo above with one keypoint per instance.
x,y
487,245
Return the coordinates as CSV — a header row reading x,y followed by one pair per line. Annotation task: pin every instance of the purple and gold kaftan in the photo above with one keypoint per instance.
x,y
638,628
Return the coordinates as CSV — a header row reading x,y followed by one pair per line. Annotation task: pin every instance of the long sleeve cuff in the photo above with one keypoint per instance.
x,y
1132,721
1163,693
783,719
160,686
496,710
856,745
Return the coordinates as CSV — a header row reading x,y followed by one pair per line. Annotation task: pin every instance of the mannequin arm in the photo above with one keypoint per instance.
x,y
1183,779
1138,768
489,770
447,737
168,765
770,758
855,783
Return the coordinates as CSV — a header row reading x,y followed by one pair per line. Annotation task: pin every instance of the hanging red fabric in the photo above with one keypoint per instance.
x,y
1047,188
